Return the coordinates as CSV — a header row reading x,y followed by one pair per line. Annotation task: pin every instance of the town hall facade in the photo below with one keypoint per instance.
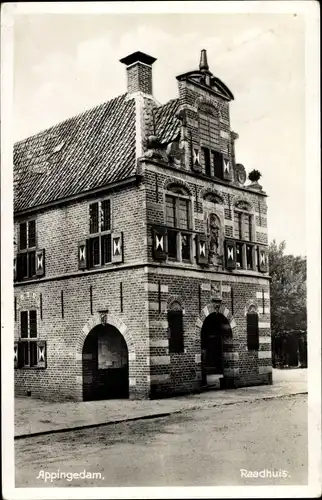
x,y
140,248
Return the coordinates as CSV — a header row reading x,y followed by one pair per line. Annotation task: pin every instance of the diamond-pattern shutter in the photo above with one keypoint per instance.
x,y
159,243
82,254
230,254
262,259
40,262
226,168
202,249
15,269
41,354
15,354
117,247
196,158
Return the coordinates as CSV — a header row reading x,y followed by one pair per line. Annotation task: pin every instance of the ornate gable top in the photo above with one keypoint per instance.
x,y
205,78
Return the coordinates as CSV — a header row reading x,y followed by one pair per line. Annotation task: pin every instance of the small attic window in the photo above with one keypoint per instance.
x,y
59,147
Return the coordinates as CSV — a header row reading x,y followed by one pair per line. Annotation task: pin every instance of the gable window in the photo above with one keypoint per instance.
x,y
175,328
178,220
26,257
252,331
100,240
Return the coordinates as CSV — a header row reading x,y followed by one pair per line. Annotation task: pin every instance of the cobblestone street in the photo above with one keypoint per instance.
x,y
204,447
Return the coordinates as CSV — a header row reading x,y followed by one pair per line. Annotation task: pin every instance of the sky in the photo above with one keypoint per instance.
x,y
67,63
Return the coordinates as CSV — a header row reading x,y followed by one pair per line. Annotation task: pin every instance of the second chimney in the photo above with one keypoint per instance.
x,y
139,72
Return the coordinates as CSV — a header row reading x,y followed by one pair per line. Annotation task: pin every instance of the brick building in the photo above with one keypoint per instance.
x,y
140,253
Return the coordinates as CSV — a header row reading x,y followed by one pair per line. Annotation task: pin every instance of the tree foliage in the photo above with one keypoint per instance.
x,y
288,291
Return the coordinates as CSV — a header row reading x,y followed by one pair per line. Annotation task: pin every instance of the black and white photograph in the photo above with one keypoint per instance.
x,y
160,177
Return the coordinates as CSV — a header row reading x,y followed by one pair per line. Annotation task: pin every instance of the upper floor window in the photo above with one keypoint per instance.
x,y
243,230
99,241
178,219
26,257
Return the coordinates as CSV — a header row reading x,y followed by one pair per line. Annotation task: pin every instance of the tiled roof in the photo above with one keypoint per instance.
x,y
167,126
85,152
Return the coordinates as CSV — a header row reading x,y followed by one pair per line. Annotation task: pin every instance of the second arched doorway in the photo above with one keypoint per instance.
x,y
105,364
214,332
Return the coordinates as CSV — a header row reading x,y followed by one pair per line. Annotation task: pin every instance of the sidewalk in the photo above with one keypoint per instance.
x,y
34,416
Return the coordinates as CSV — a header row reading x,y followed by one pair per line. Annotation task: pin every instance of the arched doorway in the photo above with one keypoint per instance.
x,y
105,364
214,331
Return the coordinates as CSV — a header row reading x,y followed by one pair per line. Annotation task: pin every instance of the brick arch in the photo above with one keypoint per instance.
x,y
200,101
110,319
250,304
205,191
241,199
209,309
172,299
179,182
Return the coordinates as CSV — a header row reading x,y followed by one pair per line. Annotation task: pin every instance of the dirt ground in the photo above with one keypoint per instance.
x,y
207,447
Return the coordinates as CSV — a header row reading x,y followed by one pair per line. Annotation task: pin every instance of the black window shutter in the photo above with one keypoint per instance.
x,y
117,247
159,243
82,254
252,331
40,262
15,356
41,354
230,254
21,354
202,249
262,260
226,168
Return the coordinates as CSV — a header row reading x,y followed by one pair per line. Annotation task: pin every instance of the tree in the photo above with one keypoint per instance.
x,y
288,292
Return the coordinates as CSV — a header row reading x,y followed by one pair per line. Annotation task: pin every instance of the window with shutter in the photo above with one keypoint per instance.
x,y
99,249
27,351
26,257
177,217
252,331
206,160
175,323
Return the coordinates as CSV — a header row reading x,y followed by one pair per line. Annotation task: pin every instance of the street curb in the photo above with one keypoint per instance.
x,y
153,415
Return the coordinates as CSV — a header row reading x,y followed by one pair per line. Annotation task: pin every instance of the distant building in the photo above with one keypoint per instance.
x,y
140,253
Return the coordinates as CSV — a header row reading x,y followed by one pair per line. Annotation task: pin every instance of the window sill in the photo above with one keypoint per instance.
x,y
30,368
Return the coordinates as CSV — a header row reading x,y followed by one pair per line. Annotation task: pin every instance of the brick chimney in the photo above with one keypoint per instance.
x,y
139,72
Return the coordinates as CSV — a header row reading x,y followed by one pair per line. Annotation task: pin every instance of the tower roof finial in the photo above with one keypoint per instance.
x,y
203,65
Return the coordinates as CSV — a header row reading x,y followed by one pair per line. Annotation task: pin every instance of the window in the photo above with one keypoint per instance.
x,y
218,164
175,322
206,159
26,256
100,240
177,208
243,231
28,344
252,331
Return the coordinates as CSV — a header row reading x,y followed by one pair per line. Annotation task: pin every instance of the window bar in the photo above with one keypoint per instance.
x,y
40,300
259,213
156,187
62,303
199,298
196,195
232,300
263,297
229,206
91,298
15,308
159,295
121,296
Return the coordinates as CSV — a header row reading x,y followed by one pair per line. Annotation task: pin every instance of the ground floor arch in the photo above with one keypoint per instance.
x,y
214,333
105,364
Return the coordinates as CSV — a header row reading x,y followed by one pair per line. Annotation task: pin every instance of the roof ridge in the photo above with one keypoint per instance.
x,y
59,124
